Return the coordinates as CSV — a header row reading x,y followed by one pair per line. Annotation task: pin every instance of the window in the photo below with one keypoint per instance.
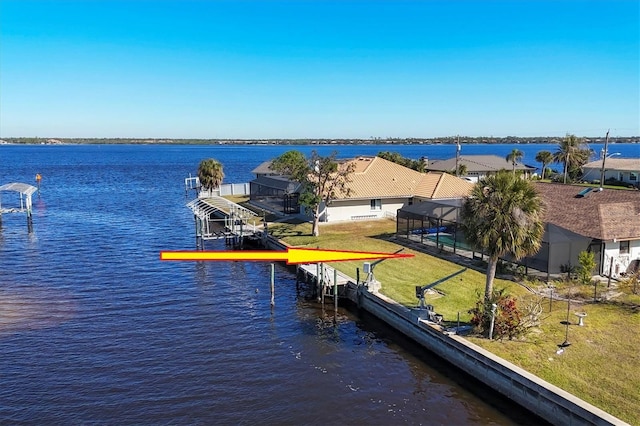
x,y
624,247
376,204
633,177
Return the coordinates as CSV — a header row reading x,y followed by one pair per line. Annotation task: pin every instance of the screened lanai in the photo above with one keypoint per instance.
x,y
435,223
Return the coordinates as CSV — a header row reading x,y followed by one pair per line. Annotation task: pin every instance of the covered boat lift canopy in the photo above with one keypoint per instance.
x,y
25,191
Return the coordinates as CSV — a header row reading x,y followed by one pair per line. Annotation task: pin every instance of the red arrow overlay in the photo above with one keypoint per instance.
x,y
292,255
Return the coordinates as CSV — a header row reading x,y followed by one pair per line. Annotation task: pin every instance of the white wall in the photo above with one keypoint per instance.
x,y
590,174
341,210
620,261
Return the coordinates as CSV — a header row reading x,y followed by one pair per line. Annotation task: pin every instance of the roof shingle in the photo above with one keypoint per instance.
x,y
605,215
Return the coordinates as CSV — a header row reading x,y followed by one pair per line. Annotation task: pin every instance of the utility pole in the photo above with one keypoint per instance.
x,y
458,156
604,159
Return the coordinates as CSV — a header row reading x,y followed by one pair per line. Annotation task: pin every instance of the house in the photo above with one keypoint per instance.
x,y
625,170
380,187
478,166
608,219
606,223
377,188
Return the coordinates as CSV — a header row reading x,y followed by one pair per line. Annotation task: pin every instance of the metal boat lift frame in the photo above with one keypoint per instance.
x,y
26,206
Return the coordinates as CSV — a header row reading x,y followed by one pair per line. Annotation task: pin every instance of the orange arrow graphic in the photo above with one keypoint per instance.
x,y
292,255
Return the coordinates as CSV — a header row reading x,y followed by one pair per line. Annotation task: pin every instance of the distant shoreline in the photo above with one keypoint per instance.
x,y
451,140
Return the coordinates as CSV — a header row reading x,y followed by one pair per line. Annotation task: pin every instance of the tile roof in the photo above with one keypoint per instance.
x,y
604,215
375,177
443,185
477,163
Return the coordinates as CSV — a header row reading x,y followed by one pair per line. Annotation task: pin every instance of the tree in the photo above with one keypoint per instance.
x,y
546,158
417,165
587,262
514,157
502,215
322,179
210,174
572,154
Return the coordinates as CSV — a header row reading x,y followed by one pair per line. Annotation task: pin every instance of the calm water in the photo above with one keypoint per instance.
x,y
94,328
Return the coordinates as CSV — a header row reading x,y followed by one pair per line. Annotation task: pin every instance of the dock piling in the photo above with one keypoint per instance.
x,y
273,287
335,290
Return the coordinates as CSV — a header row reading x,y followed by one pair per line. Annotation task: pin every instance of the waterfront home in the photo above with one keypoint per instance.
x,y
623,170
378,188
606,223
478,166
608,219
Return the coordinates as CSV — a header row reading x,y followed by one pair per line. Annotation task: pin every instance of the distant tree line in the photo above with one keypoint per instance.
x,y
315,141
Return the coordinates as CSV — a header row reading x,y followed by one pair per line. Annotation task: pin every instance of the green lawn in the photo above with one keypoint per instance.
x,y
602,365
398,276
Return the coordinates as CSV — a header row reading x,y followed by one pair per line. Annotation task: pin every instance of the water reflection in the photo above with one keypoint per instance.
x,y
31,308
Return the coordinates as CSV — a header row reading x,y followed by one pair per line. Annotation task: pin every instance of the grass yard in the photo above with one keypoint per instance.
x,y
398,276
602,365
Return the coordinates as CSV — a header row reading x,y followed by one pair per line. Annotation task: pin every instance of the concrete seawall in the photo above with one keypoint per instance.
x,y
538,396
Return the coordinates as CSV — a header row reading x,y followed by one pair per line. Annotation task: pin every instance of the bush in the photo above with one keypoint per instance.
x,y
508,318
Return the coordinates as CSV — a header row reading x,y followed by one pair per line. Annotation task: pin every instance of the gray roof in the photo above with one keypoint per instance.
x,y
621,164
477,163
264,169
277,182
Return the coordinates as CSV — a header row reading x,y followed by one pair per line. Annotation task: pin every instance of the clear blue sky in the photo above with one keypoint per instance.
x,y
318,69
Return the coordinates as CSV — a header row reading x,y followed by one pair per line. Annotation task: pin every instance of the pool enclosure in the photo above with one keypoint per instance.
x,y
435,223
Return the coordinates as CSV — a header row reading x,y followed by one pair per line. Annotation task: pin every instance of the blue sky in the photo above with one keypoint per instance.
x,y
318,69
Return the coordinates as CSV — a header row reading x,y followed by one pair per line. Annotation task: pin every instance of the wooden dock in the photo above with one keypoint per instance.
x,y
330,283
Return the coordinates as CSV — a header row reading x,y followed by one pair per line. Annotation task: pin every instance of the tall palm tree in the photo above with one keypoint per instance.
x,y
514,157
210,174
502,215
572,154
546,158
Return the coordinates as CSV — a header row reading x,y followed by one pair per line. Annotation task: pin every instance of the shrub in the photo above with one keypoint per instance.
x,y
587,265
508,318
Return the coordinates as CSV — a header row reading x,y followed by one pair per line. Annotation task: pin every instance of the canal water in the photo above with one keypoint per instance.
x,y
95,329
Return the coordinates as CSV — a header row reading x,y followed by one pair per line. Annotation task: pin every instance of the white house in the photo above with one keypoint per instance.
x,y
608,219
625,170
378,188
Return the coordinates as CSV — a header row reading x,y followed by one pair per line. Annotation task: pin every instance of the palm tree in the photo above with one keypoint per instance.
x,y
514,157
546,158
210,174
502,215
572,154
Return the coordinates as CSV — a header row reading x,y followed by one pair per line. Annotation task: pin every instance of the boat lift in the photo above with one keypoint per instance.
x,y
25,191
427,311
